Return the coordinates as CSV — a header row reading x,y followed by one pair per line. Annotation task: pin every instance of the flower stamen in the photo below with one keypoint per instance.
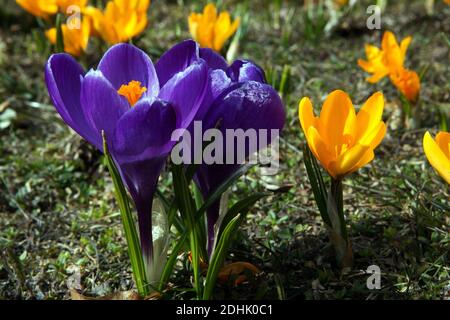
x,y
133,91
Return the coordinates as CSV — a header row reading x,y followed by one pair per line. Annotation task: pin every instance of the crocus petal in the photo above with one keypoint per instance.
x,y
443,141
319,147
337,119
374,137
306,115
366,65
101,103
436,157
248,105
176,60
124,63
63,77
185,92
377,76
242,70
144,131
346,161
365,159
404,45
219,82
369,115
213,59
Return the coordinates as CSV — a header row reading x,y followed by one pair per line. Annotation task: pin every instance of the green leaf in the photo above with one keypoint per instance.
x,y
223,187
170,264
241,207
187,209
284,80
131,235
218,256
317,183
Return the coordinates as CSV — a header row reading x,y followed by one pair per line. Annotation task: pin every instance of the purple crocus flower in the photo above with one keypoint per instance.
x,y
238,98
138,107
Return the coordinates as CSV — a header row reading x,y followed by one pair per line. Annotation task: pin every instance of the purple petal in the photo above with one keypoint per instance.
x,y
242,70
176,60
144,132
101,103
248,105
186,91
219,82
63,76
123,63
213,59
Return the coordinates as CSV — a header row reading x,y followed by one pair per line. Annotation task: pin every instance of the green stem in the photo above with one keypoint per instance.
x,y
131,235
338,231
59,34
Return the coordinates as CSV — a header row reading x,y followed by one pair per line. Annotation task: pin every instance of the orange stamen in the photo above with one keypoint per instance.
x,y
133,91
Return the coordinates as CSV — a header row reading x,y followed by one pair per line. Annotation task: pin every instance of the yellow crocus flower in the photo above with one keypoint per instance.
x,y
121,20
408,83
438,153
39,8
65,4
340,139
75,39
211,30
387,60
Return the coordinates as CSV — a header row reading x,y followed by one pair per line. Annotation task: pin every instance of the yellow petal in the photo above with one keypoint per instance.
x,y
365,159
369,115
306,115
443,141
388,41
337,119
210,12
377,76
436,157
366,65
318,147
404,45
347,161
374,138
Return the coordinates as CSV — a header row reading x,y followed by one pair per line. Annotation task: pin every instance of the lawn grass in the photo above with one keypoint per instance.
x,y
58,218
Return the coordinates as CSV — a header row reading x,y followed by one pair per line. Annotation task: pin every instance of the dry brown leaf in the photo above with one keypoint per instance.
x,y
120,295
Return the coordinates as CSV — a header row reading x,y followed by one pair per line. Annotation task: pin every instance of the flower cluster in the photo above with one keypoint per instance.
x,y
138,105
389,61
120,21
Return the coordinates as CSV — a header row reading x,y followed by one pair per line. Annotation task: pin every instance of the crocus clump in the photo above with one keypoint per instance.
x,y
438,153
137,106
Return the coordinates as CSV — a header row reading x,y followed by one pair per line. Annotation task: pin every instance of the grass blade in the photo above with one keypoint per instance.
x,y
219,255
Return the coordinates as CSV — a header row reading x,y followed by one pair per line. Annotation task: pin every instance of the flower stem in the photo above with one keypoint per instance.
x,y
338,230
